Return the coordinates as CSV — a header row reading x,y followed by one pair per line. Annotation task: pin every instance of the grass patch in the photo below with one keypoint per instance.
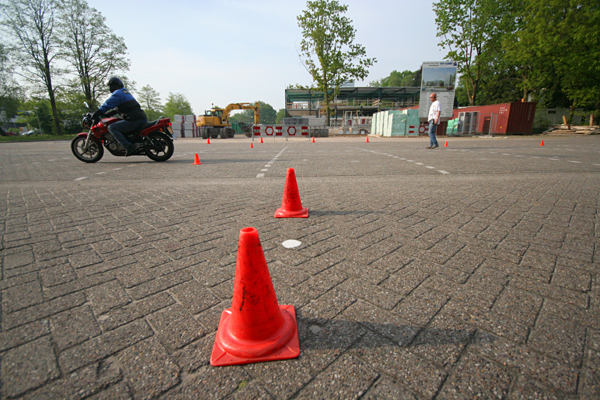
x,y
35,138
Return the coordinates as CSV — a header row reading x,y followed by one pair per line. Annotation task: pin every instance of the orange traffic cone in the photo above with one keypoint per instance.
x,y
446,144
313,139
251,145
261,140
197,160
255,328
207,140
291,205
367,140
541,144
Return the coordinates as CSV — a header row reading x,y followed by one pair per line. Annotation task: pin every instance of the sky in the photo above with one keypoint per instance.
x,y
235,51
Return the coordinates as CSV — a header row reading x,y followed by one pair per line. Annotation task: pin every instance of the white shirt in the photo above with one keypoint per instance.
x,y
436,107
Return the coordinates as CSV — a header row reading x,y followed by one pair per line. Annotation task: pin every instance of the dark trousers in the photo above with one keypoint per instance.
x,y
119,129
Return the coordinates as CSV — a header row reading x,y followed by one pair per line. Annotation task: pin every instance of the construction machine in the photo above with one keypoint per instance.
x,y
215,122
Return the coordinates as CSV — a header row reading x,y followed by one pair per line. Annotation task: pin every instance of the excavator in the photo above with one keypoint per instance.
x,y
215,122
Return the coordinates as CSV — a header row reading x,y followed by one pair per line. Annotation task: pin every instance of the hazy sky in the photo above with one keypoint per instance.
x,y
233,51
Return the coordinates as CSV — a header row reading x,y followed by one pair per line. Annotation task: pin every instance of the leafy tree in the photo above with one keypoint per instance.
x,y
280,116
150,101
36,113
562,34
268,115
465,27
90,48
177,104
395,79
31,24
71,110
10,93
327,49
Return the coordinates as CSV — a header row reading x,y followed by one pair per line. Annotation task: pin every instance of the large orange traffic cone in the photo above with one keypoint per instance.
x,y
541,144
208,140
255,328
197,160
291,205
367,140
446,144
261,140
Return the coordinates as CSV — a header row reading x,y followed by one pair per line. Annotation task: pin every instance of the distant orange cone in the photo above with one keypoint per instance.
x,y
255,328
261,140
291,205
207,140
446,144
197,160
367,140
541,144
251,145
313,139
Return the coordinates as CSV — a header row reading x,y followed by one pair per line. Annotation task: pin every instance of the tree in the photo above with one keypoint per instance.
x,y
268,115
10,93
280,116
90,48
32,23
395,79
327,49
465,27
562,34
177,104
150,102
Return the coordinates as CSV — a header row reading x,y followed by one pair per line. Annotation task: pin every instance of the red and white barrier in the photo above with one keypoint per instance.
x,y
280,131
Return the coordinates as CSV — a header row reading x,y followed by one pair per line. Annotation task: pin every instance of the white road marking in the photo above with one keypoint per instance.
x,y
575,162
101,173
430,167
290,244
443,172
82,178
260,175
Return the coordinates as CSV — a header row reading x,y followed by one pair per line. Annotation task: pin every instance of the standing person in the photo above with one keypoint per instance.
x,y
434,120
126,105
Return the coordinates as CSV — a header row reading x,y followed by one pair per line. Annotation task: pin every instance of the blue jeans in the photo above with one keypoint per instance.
x,y
432,138
118,129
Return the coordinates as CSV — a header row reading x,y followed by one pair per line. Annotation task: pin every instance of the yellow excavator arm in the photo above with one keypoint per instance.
x,y
241,106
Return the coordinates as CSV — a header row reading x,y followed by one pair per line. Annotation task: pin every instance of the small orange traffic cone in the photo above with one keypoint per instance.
x,y
446,144
541,144
261,140
291,205
367,140
251,145
197,160
255,328
207,140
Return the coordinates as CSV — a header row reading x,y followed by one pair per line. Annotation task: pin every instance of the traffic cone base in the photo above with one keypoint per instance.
x,y
255,328
197,160
282,345
291,205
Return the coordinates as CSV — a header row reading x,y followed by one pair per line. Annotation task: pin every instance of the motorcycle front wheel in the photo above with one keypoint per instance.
x,y
160,147
94,152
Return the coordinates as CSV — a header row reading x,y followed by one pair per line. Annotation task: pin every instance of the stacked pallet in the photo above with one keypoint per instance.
x,y
572,130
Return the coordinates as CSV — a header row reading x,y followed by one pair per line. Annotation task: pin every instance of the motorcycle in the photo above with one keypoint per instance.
x,y
153,139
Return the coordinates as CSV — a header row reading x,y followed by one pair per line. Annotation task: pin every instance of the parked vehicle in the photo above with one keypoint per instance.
x,y
153,139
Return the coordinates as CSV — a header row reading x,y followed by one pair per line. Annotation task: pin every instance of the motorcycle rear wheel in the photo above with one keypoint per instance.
x,y
94,153
160,147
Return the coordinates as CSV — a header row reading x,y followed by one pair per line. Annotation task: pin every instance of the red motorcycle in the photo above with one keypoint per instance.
x,y
153,139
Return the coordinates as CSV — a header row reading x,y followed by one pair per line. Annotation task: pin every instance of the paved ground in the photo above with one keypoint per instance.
x,y
468,271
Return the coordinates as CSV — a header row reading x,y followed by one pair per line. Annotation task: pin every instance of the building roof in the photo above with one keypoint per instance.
x,y
354,93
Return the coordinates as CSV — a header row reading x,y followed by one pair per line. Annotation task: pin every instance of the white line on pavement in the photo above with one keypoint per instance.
x,y
82,178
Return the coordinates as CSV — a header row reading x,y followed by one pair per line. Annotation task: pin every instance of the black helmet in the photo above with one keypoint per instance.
x,y
115,83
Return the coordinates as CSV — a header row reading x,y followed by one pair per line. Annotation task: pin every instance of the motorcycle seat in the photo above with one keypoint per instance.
x,y
148,124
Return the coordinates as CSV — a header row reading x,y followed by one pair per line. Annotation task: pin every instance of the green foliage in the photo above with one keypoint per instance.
x,y
177,104
11,94
327,49
150,101
37,114
395,79
90,48
280,116
268,115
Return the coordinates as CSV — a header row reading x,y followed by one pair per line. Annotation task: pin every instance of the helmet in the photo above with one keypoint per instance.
x,y
115,83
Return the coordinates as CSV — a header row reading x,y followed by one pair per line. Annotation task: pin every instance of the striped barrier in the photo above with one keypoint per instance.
x,y
281,131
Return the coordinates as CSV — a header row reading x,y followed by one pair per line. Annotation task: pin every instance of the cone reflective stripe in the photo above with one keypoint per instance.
x,y
255,328
291,205
197,160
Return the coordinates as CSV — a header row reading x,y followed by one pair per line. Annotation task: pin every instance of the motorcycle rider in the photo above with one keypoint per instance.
x,y
122,102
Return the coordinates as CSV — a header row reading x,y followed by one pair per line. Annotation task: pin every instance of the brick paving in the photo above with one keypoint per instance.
x,y
465,272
